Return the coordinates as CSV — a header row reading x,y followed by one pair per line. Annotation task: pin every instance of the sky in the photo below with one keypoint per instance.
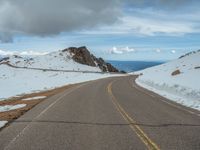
x,y
114,29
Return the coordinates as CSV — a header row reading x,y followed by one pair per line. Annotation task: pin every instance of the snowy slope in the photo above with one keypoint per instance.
x,y
178,80
16,81
58,60
26,74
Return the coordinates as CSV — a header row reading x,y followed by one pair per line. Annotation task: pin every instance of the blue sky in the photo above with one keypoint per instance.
x,y
114,30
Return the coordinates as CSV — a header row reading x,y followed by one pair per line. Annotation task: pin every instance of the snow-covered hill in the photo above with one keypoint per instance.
x,y
19,75
56,60
71,59
178,80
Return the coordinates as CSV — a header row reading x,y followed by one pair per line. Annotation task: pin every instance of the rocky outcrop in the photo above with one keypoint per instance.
x,y
4,59
188,54
83,56
176,72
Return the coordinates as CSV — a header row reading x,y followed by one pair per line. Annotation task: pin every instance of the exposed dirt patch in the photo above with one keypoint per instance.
x,y
176,72
14,114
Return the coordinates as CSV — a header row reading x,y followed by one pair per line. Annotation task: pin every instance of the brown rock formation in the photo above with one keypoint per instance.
x,y
83,56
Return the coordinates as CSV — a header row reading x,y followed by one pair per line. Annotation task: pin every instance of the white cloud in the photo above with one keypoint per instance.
x,y
149,27
149,22
122,50
25,53
5,52
158,50
173,51
136,17
52,17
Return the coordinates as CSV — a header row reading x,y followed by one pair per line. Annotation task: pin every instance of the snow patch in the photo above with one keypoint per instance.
x,y
3,123
34,98
11,107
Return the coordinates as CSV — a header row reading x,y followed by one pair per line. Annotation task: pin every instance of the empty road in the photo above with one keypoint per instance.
x,y
107,114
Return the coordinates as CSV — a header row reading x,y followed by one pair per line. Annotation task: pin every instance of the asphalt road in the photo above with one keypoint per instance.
x,y
111,114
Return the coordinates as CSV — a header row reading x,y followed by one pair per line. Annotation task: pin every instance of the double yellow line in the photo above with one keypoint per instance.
x,y
133,125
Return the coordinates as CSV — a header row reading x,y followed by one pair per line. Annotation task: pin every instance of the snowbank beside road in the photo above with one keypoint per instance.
x,y
177,80
34,98
11,107
3,123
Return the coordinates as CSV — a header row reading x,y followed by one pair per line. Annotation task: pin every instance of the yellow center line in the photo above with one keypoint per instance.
x,y
133,125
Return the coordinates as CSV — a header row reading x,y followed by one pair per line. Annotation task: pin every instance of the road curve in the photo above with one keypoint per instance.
x,y
107,114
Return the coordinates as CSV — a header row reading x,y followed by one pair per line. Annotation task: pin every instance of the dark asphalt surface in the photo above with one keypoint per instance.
x,y
107,114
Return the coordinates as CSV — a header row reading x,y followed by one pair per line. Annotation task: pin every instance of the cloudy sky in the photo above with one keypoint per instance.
x,y
112,29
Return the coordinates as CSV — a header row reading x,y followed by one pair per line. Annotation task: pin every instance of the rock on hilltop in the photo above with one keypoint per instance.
x,y
83,56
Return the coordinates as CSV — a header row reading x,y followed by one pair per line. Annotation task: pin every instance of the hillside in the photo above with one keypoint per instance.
x,y
20,75
177,80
